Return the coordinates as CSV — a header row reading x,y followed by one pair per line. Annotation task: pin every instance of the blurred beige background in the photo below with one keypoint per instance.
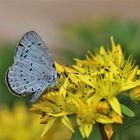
x,y
18,17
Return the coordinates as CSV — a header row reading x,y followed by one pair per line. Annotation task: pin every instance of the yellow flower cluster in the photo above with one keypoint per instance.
x,y
19,124
88,91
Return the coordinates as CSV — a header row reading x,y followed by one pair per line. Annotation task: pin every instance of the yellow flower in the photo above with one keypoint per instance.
x,y
19,124
108,128
135,94
108,90
90,112
56,106
88,91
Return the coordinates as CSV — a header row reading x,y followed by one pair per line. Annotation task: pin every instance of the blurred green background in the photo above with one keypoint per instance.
x,y
74,38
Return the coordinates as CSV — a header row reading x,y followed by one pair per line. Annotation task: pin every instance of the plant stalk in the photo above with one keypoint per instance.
x,y
103,134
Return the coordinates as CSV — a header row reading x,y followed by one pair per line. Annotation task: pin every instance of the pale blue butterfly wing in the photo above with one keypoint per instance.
x,y
33,70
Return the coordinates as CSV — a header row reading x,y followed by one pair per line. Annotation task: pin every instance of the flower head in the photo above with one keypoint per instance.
x,y
15,123
88,91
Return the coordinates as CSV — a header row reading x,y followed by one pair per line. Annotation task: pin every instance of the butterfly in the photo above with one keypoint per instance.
x,y
33,70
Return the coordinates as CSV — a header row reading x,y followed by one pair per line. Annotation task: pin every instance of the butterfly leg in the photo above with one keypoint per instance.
x,y
35,96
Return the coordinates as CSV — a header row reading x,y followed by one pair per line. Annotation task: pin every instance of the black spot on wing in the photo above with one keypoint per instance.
x,y
30,46
25,56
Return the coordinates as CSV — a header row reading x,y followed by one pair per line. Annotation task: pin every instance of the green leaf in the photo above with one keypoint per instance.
x,y
127,111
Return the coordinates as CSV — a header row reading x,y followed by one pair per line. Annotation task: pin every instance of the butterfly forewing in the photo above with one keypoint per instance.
x,y
33,69
32,47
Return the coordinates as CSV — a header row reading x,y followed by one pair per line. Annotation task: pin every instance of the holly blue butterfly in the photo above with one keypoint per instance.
x,y
33,70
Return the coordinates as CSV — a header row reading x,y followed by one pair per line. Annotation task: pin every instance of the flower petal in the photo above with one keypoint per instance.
x,y
82,130
86,79
48,126
108,130
103,119
88,129
135,94
116,117
63,88
133,74
66,121
138,72
113,101
129,85
58,114
73,78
